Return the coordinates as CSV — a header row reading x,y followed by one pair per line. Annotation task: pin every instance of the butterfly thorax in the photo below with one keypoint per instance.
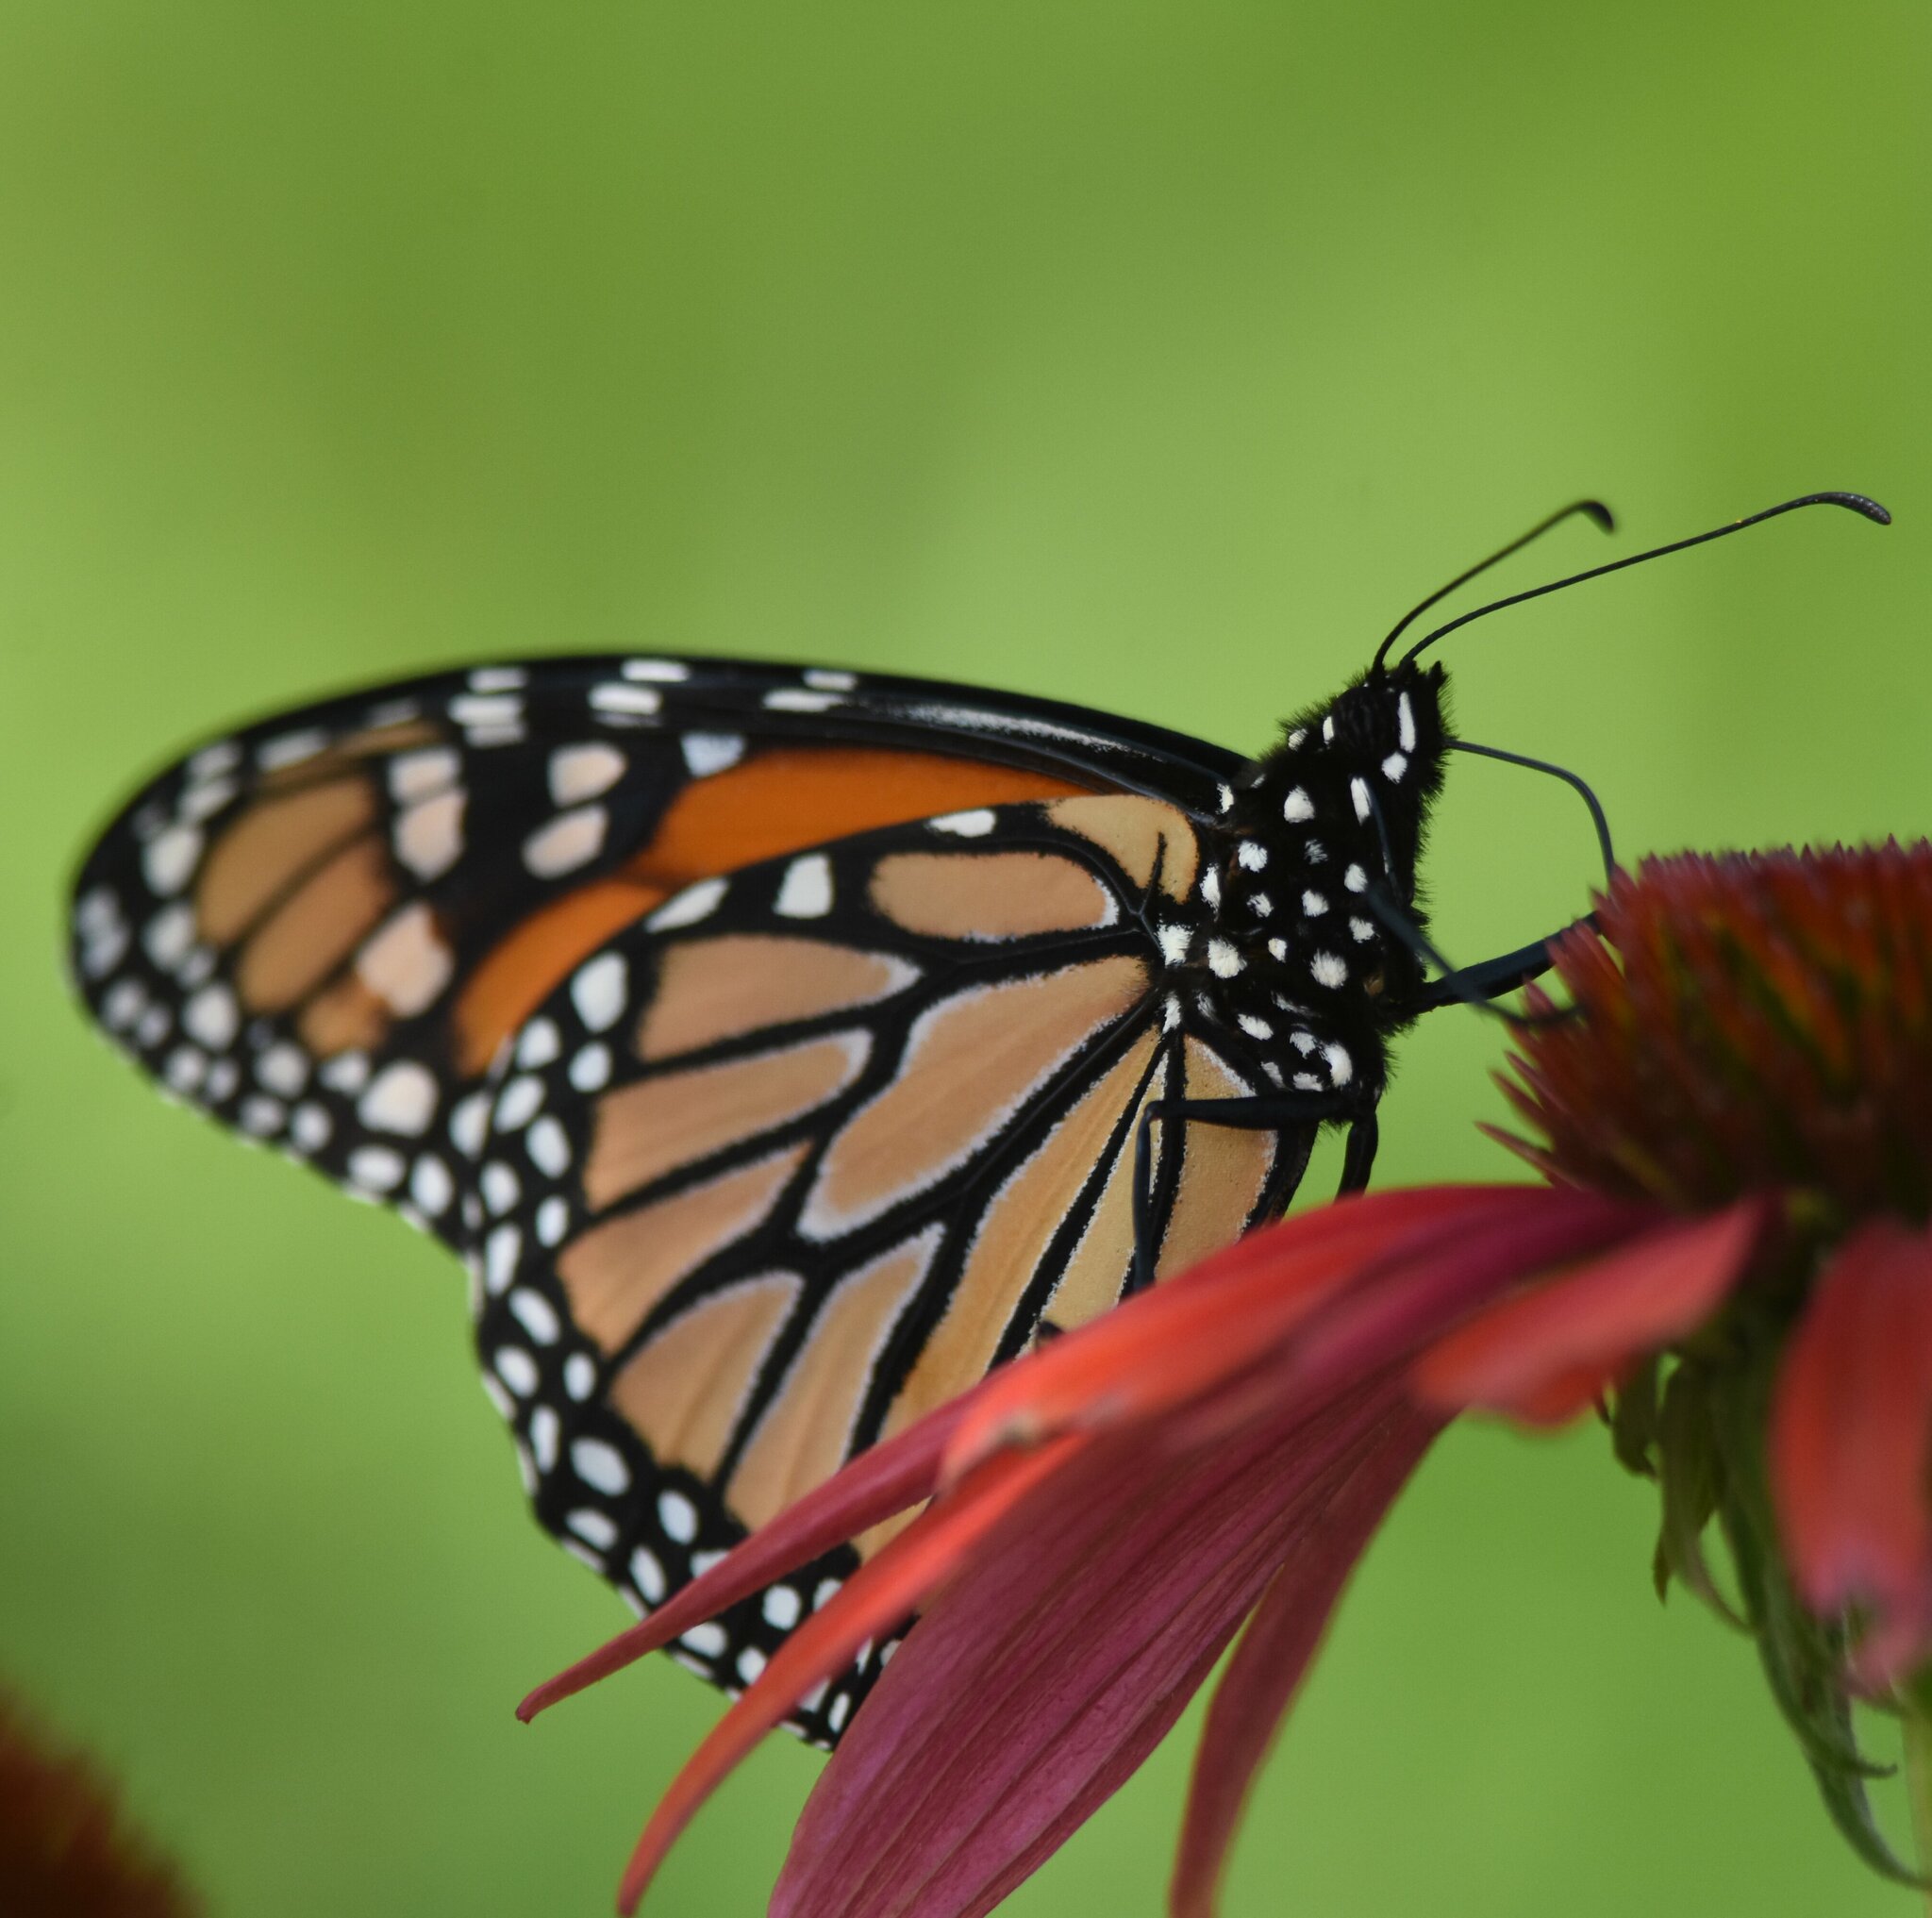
x,y
1291,950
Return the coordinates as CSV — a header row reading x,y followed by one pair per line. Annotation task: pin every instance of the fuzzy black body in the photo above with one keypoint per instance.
x,y
1290,951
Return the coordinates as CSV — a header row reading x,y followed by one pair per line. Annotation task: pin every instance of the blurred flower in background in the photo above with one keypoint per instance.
x,y
65,1850
1731,1261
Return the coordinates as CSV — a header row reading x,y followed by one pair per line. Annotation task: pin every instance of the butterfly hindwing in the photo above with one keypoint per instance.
x,y
811,1148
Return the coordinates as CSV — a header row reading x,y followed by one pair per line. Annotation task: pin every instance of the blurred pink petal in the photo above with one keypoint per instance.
x,y
1851,1443
1550,1351
1048,1669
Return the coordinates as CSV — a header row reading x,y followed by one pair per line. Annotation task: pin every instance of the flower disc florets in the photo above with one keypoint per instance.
x,y
1751,1021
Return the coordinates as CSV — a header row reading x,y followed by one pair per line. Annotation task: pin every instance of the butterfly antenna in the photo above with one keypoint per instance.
x,y
1477,986
1855,502
1574,780
1595,509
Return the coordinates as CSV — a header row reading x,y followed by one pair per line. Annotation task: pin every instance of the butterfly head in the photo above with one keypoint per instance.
x,y
1331,823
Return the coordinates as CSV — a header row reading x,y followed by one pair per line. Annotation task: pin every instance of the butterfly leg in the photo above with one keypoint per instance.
x,y
1269,1115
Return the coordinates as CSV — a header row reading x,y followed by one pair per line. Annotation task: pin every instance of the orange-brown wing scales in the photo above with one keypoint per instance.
x,y
830,1136
771,1046
401,879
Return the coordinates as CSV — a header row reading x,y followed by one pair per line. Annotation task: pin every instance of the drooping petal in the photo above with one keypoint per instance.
x,y
1393,1314
1545,1354
1043,1674
1274,1655
875,1598
876,1485
1167,1346
1851,1437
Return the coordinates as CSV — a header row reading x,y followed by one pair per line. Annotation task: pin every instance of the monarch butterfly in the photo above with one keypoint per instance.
x,y
780,1048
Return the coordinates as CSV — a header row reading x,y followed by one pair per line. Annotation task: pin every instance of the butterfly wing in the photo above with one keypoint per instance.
x,y
320,929
770,1044
804,1152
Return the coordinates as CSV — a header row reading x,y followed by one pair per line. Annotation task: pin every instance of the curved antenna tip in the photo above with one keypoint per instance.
x,y
1599,513
1858,502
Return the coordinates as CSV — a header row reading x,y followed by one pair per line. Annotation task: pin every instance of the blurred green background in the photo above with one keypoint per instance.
x,y
1154,356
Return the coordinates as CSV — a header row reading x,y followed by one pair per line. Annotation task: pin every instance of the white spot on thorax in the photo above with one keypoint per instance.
x,y
1174,941
1313,905
1404,721
1223,961
1328,970
828,680
1359,791
668,670
1210,887
1297,807
1355,879
1341,1067
1251,854
1393,767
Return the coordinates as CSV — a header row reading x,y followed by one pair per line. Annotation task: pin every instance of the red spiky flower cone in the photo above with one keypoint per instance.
x,y
1730,1259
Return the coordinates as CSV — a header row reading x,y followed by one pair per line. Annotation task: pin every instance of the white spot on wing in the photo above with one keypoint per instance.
x,y
406,964
429,836
416,776
580,773
614,697
696,902
706,753
807,889
600,990
402,1099
569,840
974,824
169,859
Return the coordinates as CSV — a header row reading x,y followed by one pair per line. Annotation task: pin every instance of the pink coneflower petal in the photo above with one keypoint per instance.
x,y
1048,1669
876,1597
897,1473
1170,1344
1547,1354
1851,1435
1274,1655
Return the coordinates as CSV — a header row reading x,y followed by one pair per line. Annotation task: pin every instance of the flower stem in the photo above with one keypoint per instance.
x,y
1916,1720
